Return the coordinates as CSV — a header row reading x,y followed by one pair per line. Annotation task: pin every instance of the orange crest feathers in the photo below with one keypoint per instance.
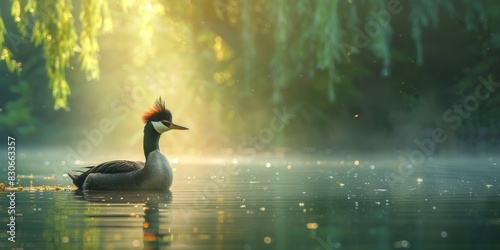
x,y
157,113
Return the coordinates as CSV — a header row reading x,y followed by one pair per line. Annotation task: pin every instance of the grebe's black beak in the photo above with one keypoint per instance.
x,y
175,126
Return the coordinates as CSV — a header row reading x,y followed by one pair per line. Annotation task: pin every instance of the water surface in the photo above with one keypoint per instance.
x,y
276,203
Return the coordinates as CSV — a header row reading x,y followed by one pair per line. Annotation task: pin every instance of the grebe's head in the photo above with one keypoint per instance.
x,y
161,118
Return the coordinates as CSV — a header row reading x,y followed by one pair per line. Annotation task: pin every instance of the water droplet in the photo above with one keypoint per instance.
x,y
267,240
136,243
444,234
405,243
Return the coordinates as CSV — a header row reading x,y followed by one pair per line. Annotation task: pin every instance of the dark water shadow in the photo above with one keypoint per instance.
x,y
156,213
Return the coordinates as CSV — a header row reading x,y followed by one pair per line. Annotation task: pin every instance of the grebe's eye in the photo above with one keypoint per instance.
x,y
166,123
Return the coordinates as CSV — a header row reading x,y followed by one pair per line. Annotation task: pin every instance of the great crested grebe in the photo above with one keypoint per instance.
x,y
154,174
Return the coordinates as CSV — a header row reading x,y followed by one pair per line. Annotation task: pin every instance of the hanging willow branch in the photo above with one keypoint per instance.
x,y
95,18
52,26
5,54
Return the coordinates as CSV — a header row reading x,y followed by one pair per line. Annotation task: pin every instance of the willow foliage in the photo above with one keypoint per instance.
x,y
95,17
51,24
305,36
5,53
425,13
316,37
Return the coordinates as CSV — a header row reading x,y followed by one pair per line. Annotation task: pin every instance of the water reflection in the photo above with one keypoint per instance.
x,y
117,211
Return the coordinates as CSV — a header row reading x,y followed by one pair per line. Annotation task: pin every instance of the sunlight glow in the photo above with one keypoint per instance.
x,y
312,225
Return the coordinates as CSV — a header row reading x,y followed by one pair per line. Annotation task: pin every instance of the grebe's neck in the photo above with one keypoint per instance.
x,y
151,139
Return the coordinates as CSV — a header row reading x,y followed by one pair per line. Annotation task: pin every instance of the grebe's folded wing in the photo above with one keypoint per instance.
x,y
110,167
115,167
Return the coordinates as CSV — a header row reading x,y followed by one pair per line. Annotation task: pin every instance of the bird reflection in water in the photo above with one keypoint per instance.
x,y
119,207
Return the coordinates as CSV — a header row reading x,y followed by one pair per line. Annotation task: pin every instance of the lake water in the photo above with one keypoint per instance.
x,y
276,203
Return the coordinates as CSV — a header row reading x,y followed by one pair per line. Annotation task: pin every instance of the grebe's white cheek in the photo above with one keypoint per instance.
x,y
160,127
